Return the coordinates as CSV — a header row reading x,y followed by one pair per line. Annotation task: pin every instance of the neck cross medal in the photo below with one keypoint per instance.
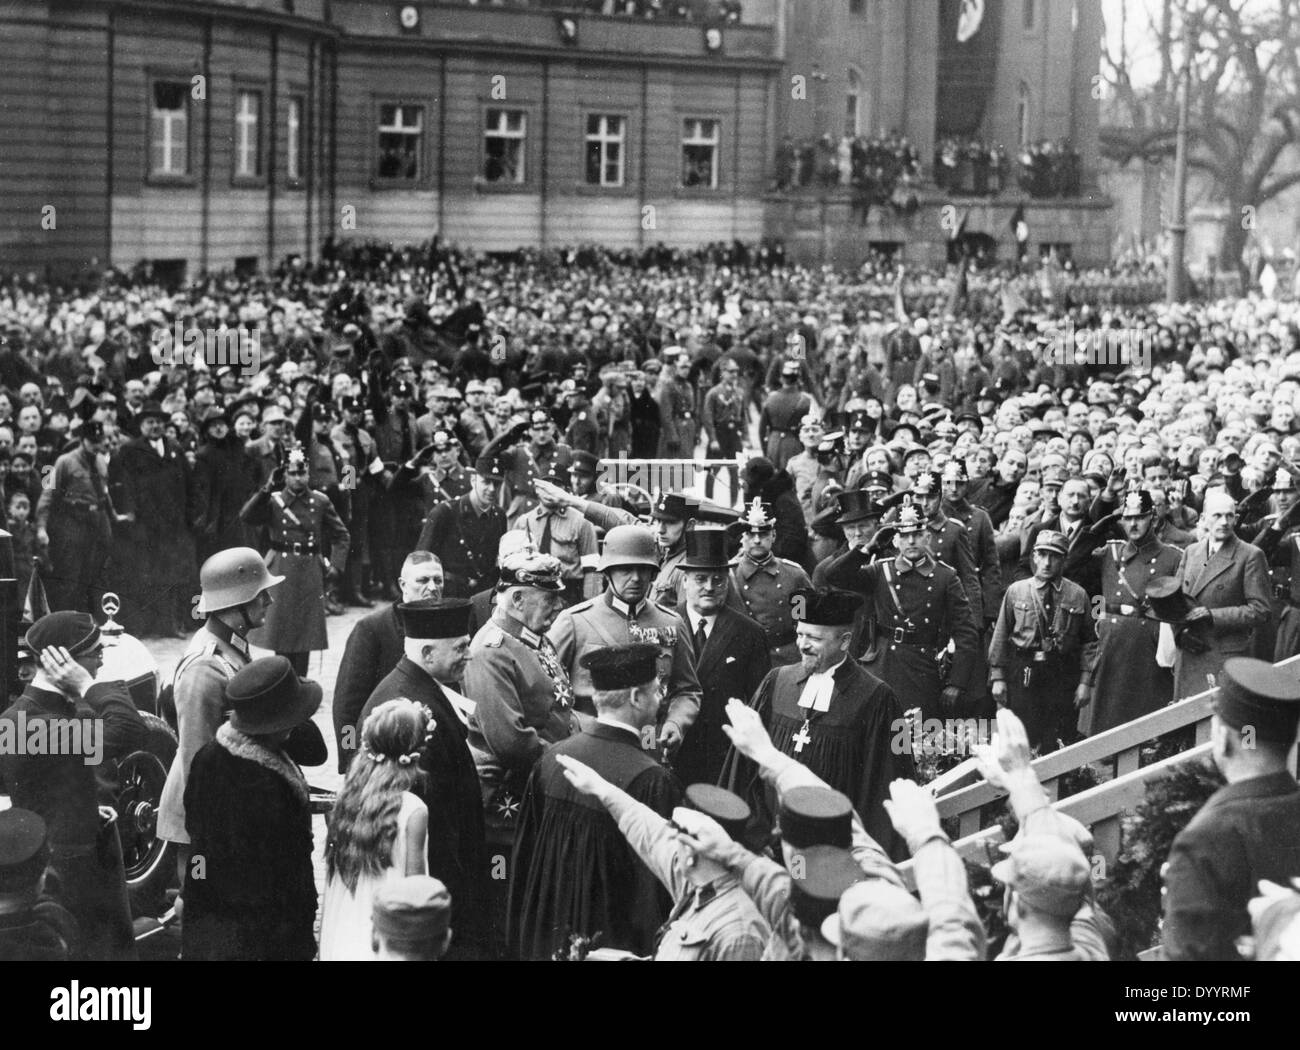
x,y
801,738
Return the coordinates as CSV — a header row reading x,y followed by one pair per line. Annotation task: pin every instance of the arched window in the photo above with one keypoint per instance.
x,y
1022,114
853,104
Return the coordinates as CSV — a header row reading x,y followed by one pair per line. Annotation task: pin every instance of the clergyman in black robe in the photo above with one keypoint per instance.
x,y
850,745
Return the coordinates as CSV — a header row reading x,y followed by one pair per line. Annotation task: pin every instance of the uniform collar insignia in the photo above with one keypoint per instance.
x,y
622,607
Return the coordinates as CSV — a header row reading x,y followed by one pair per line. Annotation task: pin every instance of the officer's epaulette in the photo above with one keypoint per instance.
x,y
583,606
792,564
494,637
1115,546
317,492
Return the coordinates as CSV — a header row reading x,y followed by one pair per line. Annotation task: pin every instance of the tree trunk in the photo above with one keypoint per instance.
x,y
1235,236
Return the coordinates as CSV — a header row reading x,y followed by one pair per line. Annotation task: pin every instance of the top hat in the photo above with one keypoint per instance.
x,y
152,409
1166,599
267,697
706,548
857,505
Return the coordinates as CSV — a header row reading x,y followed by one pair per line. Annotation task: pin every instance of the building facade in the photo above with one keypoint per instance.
x,y
219,134
216,135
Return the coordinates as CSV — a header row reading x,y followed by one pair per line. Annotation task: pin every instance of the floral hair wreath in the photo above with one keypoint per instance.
x,y
431,724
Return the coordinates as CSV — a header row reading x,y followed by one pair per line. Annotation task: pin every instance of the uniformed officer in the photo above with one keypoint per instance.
x,y
623,616
559,530
300,523
549,457
364,474
1126,680
668,520
435,472
921,614
761,583
235,597
74,519
949,540
1036,662
1247,831
464,532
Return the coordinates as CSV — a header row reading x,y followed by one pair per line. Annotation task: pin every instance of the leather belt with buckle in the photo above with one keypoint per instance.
x,y
294,548
1122,610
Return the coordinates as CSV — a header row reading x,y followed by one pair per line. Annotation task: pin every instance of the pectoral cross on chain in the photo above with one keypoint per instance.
x,y
801,738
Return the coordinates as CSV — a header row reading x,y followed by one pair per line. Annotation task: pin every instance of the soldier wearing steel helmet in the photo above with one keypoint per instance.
x,y
235,597
624,615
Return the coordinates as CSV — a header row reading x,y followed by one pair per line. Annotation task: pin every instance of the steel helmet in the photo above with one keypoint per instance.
x,y
233,577
629,545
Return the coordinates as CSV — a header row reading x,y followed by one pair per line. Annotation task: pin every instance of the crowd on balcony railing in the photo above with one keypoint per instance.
x,y
710,11
886,170
881,170
1050,169
969,167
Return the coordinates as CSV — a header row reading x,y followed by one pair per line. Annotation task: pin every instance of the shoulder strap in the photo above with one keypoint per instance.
x,y
886,570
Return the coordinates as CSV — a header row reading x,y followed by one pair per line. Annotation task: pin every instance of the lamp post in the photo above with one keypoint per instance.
x,y
1176,269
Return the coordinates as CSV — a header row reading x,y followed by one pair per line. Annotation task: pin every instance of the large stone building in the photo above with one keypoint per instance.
x,y
232,133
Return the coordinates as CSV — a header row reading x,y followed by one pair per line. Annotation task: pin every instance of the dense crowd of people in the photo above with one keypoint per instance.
x,y
596,684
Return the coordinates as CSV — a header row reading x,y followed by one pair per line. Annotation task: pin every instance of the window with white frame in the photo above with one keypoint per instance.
x,y
293,138
700,140
401,129
248,123
505,135
169,128
605,139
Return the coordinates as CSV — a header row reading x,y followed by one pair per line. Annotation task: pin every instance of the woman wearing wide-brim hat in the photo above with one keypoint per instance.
x,y
250,892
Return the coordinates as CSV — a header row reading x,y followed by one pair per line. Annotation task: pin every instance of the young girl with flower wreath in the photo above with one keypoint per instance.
x,y
378,828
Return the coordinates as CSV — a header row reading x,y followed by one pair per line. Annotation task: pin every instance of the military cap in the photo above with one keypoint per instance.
x,y
877,920
91,430
857,505
909,519
930,379
969,417
1054,477
1284,481
1137,502
728,809
492,468
445,392
530,569
476,386
827,872
73,631
757,516
860,421
442,441
274,414
429,618
403,388
1255,693
674,506
791,368
213,415
584,463
927,483
715,513
320,412
24,849
876,479
825,608
816,816
1048,873
621,666
352,404
905,430
955,470
1048,540
412,911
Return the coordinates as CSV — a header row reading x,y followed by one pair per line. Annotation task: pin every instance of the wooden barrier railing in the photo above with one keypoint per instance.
x,y
1098,808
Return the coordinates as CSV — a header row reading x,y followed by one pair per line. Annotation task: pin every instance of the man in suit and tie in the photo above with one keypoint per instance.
x,y
1227,581
1070,520
731,653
